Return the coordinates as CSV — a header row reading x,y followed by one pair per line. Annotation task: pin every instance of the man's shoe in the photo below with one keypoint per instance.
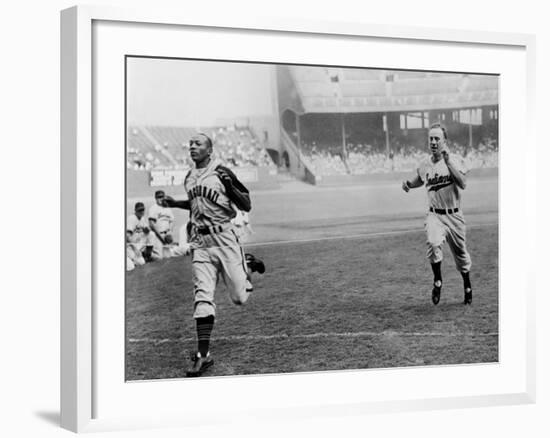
x,y
436,292
468,295
255,264
199,364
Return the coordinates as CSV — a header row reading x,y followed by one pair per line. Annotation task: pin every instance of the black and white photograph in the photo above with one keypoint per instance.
x,y
308,218
275,219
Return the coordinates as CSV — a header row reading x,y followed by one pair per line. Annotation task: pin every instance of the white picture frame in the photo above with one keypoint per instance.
x,y
82,368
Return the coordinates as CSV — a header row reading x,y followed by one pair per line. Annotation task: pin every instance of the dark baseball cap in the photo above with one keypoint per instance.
x,y
139,206
159,194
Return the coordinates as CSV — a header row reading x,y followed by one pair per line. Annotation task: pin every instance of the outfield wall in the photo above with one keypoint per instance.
x,y
139,182
335,180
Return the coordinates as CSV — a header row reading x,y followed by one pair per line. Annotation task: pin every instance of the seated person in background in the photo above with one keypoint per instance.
x,y
138,245
161,220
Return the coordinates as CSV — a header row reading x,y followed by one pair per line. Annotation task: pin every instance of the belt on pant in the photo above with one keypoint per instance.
x,y
444,210
213,230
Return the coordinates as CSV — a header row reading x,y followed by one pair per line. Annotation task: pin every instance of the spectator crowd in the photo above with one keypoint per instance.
x,y
361,159
150,148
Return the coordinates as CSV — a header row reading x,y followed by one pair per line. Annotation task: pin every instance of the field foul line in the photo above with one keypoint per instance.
x,y
354,236
311,336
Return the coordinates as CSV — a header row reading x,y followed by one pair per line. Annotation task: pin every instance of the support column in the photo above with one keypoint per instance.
x,y
344,145
387,129
470,128
298,139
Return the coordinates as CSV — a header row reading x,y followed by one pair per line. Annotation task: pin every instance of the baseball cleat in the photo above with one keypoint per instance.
x,y
436,292
468,296
255,265
199,364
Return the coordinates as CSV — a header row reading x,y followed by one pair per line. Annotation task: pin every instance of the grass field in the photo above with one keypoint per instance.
x,y
347,287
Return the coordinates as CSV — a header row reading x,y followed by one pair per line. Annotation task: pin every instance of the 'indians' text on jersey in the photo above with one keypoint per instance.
x,y
441,189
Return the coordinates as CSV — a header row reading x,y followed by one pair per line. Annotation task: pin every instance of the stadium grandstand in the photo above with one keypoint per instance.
x,y
161,147
347,121
161,154
334,122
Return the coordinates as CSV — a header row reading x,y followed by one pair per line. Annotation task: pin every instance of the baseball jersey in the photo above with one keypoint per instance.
x,y
442,191
163,217
137,227
210,204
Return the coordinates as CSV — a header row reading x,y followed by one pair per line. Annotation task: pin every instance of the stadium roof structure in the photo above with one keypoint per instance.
x,y
358,90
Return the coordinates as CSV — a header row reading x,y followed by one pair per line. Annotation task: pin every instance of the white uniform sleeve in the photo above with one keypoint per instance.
x,y
131,223
153,212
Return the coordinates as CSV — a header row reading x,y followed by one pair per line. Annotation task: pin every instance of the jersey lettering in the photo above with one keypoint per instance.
x,y
441,189
203,192
437,182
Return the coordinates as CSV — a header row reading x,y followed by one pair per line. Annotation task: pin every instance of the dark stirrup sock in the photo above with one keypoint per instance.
x,y
204,329
466,279
436,268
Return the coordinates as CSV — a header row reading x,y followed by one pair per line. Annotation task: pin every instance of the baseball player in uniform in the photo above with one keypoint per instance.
x,y
444,176
161,221
213,191
137,237
242,229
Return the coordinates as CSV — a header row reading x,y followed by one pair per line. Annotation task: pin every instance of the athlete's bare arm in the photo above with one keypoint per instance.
x,y
458,177
413,184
